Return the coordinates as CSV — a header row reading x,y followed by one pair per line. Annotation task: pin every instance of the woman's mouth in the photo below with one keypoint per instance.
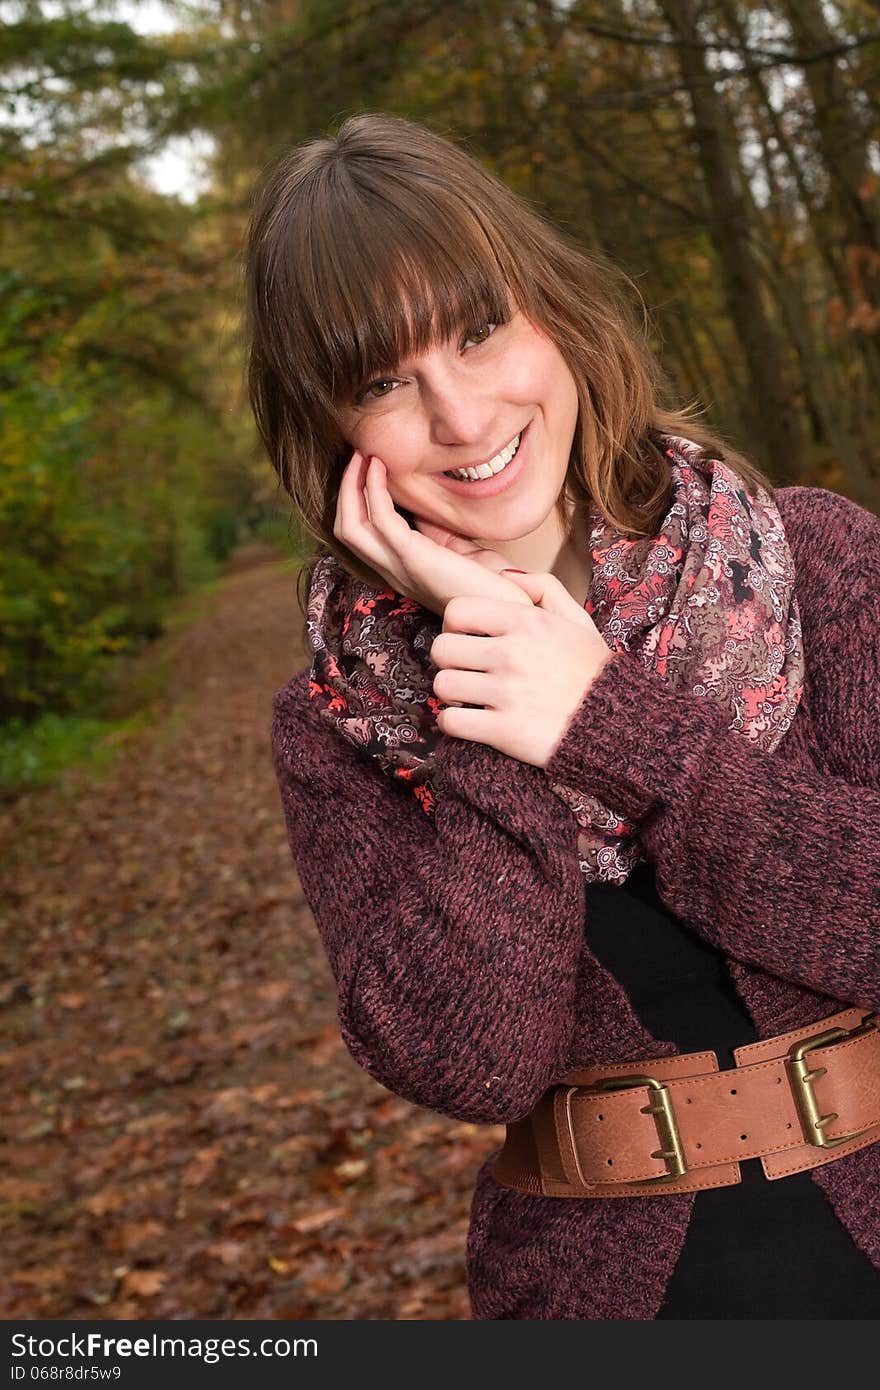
x,y
493,477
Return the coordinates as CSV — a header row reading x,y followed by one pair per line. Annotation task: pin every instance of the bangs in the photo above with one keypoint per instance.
x,y
383,274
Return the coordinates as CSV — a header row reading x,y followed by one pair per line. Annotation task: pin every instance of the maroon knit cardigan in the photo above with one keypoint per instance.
x,y
457,942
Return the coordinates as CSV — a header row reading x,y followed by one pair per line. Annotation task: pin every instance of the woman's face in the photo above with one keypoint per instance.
x,y
462,405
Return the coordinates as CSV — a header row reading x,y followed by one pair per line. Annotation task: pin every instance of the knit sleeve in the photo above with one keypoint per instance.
x,y
775,863
454,939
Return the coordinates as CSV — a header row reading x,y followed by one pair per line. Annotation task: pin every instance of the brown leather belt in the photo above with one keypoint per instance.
x,y
678,1124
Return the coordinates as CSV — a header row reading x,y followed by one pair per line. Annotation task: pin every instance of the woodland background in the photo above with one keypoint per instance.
x,y
162,1154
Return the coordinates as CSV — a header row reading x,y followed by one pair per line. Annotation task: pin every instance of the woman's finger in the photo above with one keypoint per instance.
x,y
464,651
474,725
449,539
353,500
548,592
473,613
389,530
453,686
354,525
433,529
351,506
393,527
487,559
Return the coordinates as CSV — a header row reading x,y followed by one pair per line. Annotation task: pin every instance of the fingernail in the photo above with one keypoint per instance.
x,y
511,570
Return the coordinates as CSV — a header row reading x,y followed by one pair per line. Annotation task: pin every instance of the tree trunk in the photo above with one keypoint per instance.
x,y
831,421
776,425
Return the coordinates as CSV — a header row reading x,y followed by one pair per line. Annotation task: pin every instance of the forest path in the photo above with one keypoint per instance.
x,y
185,1134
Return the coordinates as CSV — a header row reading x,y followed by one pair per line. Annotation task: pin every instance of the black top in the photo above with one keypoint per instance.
x,y
759,1249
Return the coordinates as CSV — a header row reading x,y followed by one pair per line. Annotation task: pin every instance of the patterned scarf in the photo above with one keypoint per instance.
x,y
708,603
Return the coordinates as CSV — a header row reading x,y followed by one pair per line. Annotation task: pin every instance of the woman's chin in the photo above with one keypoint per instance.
x,y
506,533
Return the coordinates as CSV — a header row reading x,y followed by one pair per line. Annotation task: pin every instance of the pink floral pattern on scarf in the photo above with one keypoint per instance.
x,y
708,603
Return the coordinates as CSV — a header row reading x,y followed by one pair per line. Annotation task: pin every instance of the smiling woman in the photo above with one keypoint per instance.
x,y
403,302
513,392
549,780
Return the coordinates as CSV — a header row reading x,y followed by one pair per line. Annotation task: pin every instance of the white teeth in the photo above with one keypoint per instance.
x,y
487,470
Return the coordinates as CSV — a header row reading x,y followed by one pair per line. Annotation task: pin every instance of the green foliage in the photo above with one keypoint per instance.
x,y
221,532
122,478
91,547
33,753
278,529
60,562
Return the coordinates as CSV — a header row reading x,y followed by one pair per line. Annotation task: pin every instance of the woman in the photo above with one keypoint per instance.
x,y
583,784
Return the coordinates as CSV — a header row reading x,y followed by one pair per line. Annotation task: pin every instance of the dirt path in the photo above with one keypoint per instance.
x,y
184,1134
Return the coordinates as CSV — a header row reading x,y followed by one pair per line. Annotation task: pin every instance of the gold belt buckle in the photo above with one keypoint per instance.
x,y
802,1080
671,1150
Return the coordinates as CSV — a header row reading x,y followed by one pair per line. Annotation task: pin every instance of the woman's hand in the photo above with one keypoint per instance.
x,y
430,564
528,674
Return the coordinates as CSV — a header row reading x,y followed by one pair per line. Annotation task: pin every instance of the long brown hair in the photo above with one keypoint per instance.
x,y
371,245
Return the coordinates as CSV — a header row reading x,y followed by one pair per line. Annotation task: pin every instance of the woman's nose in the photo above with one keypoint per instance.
x,y
462,415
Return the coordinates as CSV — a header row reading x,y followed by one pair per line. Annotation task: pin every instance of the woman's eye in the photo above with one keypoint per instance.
x,y
372,390
366,393
483,327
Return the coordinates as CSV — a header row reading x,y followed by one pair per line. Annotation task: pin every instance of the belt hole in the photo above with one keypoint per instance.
x,y
788,1125
687,1100
698,1146
600,1117
610,1162
733,1090
779,1081
743,1136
